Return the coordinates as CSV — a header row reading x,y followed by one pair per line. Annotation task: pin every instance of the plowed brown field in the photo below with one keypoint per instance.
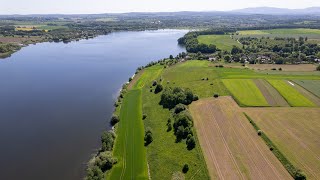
x,y
231,146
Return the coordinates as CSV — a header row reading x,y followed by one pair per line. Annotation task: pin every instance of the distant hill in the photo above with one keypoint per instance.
x,y
278,11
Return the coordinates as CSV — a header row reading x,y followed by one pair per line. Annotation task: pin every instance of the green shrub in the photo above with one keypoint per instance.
x,y
179,108
154,83
318,68
191,143
158,89
105,161
144,116
148,137
107,140
94,173
114,120
185,168
182,125
215,95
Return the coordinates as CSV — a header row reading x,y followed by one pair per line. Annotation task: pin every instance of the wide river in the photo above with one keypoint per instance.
x,y
56,99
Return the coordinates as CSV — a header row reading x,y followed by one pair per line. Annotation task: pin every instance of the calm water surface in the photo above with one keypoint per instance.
x,y
55,99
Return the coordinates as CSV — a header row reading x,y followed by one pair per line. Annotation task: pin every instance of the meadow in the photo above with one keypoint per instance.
x,y
223,42
245,92
293,96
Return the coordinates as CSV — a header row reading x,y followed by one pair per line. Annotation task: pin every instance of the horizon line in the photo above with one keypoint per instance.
x,y
127,12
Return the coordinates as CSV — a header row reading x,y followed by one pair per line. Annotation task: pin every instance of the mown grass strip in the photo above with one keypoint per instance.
x,y
293,171
129,146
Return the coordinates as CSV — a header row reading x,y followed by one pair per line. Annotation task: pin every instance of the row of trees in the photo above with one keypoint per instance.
x,y
177,99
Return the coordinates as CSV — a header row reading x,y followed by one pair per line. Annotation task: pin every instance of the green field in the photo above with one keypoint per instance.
x,y
245,92
129,146
296,33
312,86
223,42
190,75
166,157
293,97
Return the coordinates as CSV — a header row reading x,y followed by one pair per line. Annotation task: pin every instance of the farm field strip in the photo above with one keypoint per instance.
x,y
129,145
294,133
272,95
311,85
293,97
245,92
221,128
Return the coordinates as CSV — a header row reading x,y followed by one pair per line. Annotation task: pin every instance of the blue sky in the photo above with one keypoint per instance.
x,y
115,6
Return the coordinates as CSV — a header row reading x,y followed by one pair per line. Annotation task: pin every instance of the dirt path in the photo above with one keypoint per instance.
x,y
231,147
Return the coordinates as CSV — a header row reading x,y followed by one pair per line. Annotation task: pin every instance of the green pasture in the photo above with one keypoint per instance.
x,y
129,146
245,92
223,42
293,97
190,75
